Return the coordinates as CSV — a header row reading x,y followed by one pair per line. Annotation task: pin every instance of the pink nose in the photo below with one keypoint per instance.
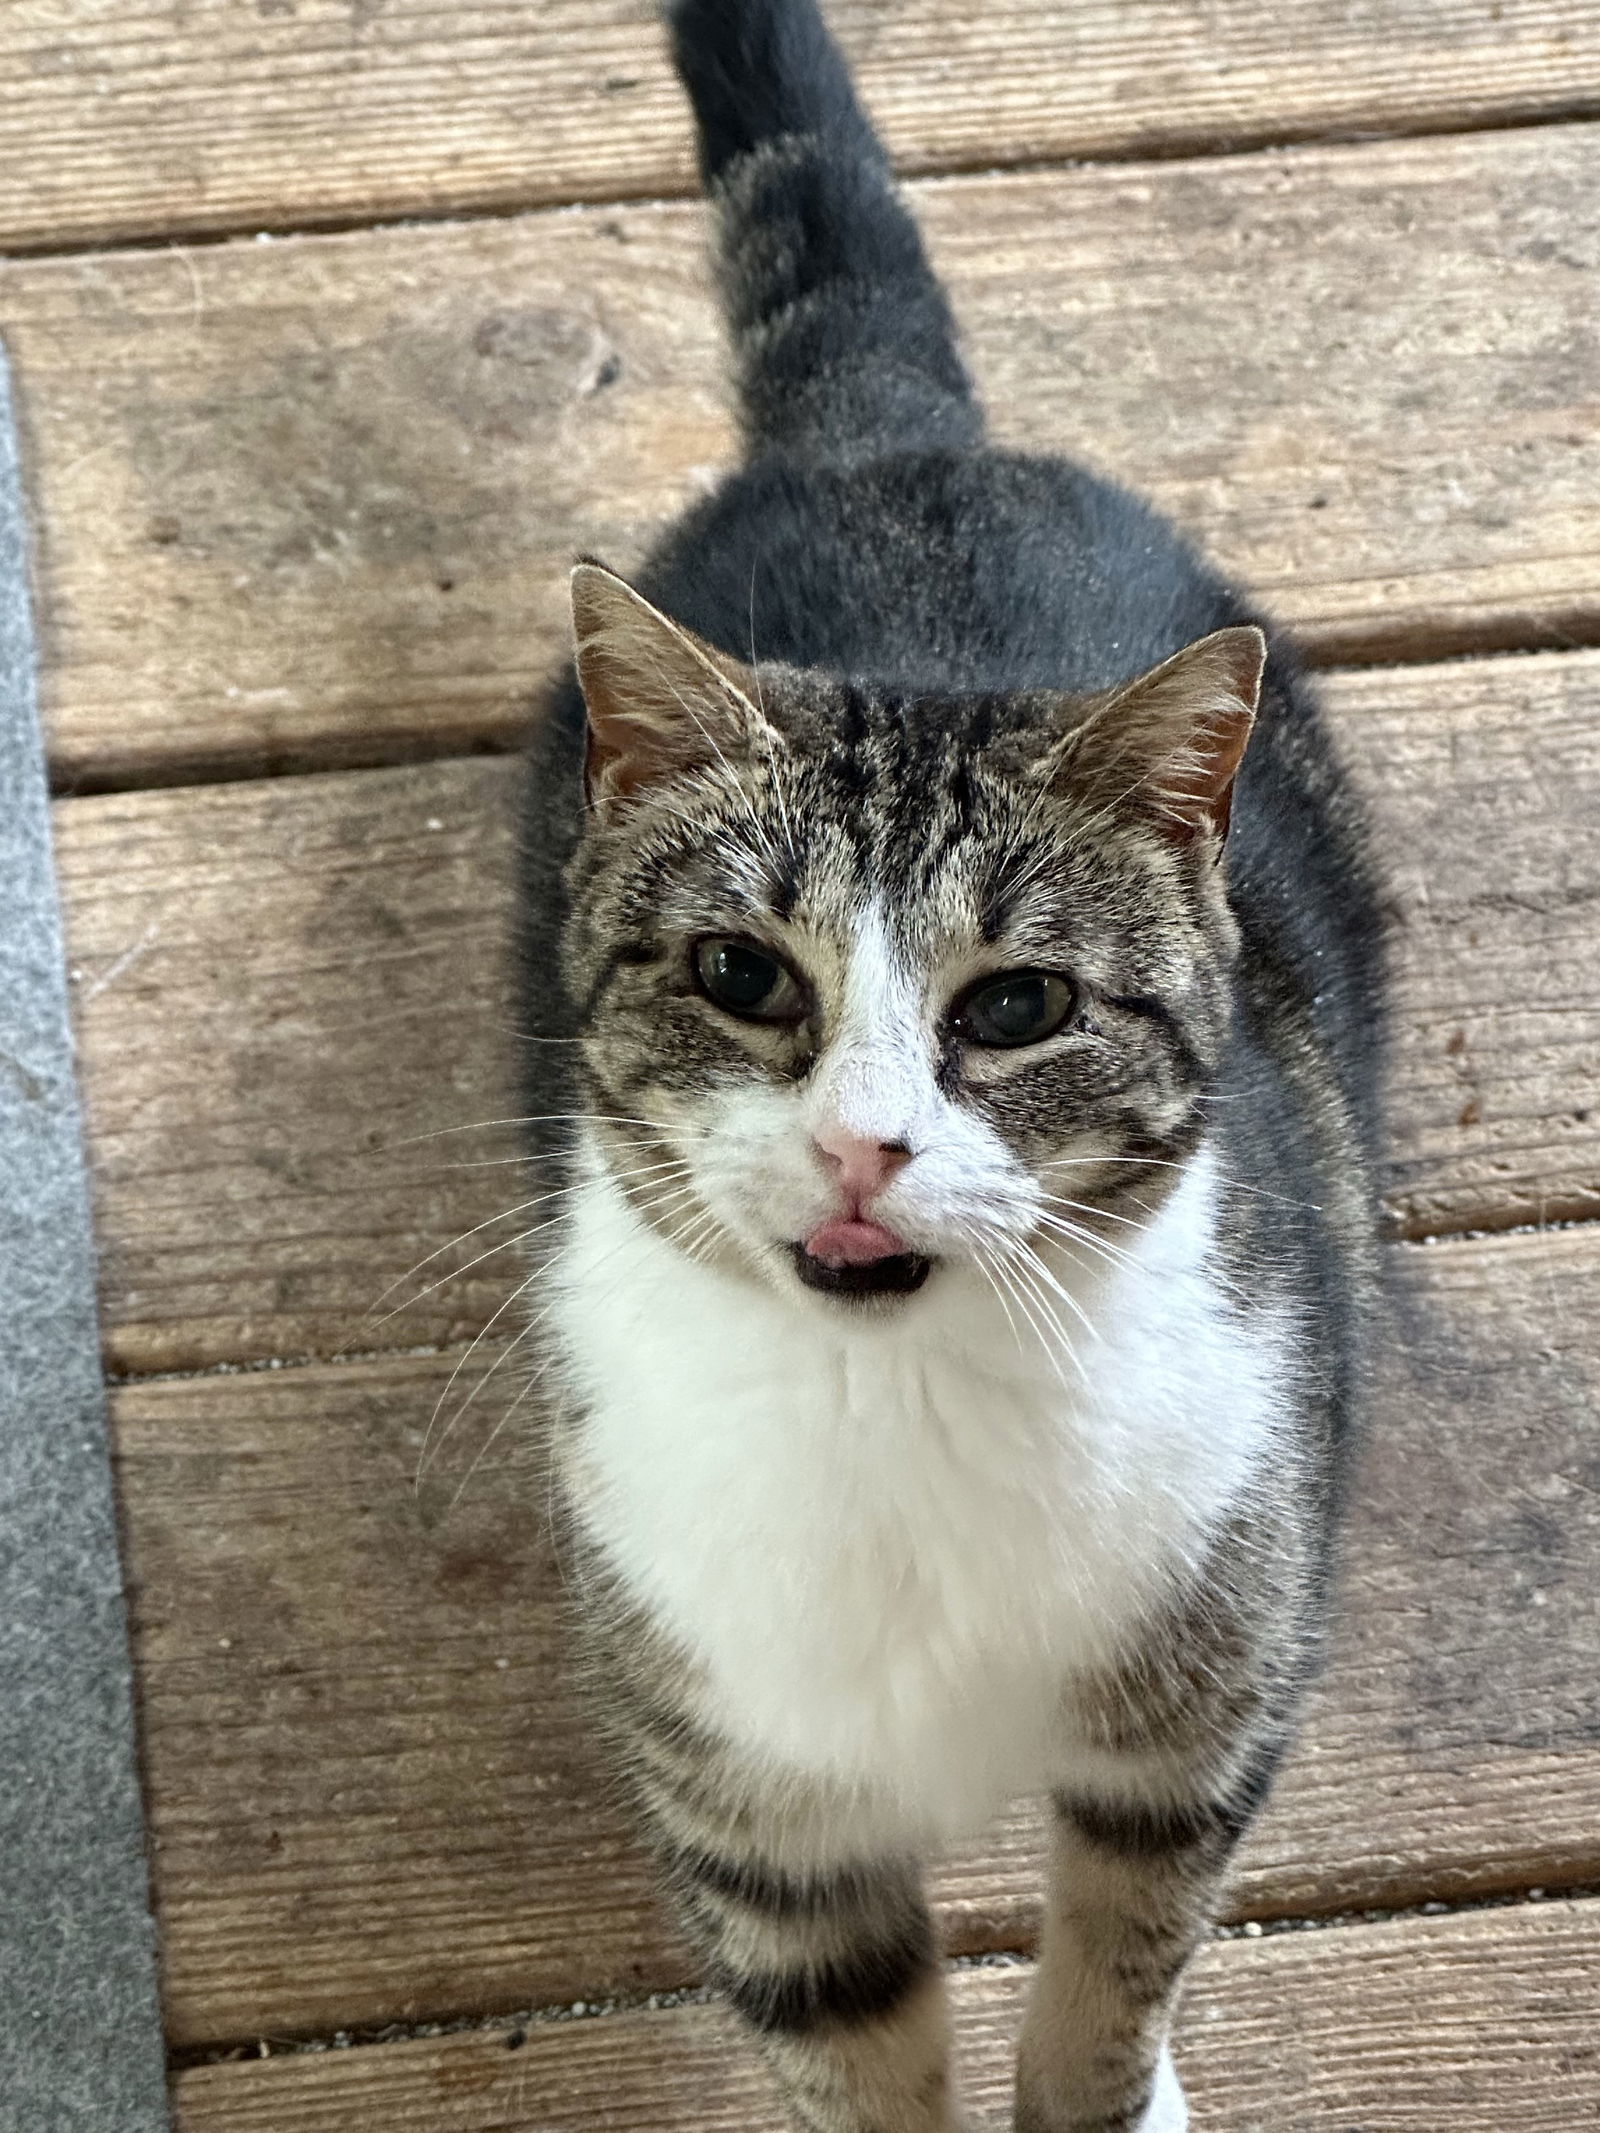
x,y
861,1168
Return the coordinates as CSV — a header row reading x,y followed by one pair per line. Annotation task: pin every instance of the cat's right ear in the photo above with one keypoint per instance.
x,y
1168,744
661,701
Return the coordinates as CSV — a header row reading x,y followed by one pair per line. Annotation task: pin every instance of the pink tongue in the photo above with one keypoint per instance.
x,y
843,1243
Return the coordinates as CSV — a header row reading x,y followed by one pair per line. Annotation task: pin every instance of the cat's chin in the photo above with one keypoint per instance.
x,y
900,1274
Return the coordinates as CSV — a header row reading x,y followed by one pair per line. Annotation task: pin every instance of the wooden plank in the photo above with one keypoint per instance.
x,y
1485,2022
313,501
1473,773
373,1798
134,120
280,985
279,988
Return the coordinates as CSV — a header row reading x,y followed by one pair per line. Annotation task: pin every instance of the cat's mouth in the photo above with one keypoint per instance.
x,y
894,1274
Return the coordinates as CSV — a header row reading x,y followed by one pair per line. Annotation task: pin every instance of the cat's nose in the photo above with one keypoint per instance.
x,y
861,1167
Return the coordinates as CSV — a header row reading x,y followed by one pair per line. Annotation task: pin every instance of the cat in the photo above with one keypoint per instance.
x,y
953,970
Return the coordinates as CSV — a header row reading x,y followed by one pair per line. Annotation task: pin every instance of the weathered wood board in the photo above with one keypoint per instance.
x,y
1473,773
1484,2022
373,1798
143,120
313,501
280,985
278,988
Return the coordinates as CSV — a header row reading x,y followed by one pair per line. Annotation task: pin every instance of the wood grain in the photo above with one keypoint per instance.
x,y
138,120
284,991
313,501
373,1797
282,986
1473,774
1485,2023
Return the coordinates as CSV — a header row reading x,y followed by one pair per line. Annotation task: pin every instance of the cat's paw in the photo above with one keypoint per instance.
x,y
1166,2112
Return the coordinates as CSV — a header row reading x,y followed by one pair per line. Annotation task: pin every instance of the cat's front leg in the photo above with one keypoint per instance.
x,y
889,2073
1131,1896
835,1973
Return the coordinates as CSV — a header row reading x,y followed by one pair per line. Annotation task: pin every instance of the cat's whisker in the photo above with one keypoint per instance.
x,y
1101,1214
1026,1251
1068,1242
692,1244
492,1162
458,1273
411,1273
505,1215
1031,1304
980,1259
535,1320
1112,1246
1075,1233
778,794
505,1244
1094,1162
1035,1307
1158,1162
552,1118
453,1424
1050,1206
535,1379
691,1229
672,1206
482,1334
1032,1269
660,810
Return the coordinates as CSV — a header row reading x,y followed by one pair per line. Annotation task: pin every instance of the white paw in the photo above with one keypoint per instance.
x,y
1166,2111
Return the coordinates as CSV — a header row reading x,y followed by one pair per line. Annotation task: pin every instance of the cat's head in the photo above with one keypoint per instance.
x,y
872,985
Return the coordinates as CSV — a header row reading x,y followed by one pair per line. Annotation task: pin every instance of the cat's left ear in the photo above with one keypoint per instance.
x,y
661,701
1170,743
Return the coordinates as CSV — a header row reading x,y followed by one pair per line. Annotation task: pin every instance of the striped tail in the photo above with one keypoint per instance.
x,y
844,343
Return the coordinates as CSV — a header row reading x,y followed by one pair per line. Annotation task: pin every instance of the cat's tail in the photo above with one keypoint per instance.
x,y
844,343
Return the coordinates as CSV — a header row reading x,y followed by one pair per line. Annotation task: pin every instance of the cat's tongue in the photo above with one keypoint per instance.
x,y
854,1243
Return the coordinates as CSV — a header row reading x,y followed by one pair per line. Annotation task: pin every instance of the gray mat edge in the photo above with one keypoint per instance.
x,y
80,2027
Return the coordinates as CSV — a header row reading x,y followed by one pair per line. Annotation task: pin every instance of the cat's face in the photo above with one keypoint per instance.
x,y
875,987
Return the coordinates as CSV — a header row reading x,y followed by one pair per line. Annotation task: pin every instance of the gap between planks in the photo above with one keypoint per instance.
x,y
1485,2023
487,1347
513,2023
1178,148
312,504
1490,638
353,115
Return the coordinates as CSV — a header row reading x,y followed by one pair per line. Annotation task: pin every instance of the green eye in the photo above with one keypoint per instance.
x,y
746,980
1021,1007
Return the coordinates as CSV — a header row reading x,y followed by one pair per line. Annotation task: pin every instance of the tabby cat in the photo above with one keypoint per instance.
x,y
957,1053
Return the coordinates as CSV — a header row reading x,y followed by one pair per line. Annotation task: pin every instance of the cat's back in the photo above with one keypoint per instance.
x,y
937,572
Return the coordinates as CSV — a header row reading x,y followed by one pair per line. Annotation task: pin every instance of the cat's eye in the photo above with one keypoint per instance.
x,y
1018,1007
745,979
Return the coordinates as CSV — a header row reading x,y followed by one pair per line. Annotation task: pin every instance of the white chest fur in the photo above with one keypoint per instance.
x,y
886,1540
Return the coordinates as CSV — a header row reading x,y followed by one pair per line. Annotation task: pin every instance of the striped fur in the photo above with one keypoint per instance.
x,y
1051,1509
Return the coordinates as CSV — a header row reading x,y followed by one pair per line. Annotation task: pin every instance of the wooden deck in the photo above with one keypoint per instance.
x,y
1324,279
